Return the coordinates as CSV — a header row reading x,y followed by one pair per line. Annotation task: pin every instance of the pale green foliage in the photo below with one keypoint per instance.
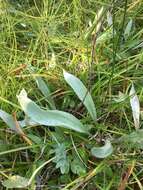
x,y
135,106
61,158
8,119
52,35
82,93
77,167
128,29
49,117
133,140
104,151
16,182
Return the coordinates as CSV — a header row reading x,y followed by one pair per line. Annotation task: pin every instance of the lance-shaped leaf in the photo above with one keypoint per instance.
x,y
104,151
82,92
128,28
135,105
9,120
109,19
49,117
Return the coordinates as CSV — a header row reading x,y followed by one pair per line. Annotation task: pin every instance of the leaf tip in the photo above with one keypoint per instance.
x,y
22,93
65,73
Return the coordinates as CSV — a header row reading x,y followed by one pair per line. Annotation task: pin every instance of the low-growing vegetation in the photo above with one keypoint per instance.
x,y
71,95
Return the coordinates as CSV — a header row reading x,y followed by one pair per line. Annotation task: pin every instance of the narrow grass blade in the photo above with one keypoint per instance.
x,y
135,105
121,98
49,117
45,91
43,87
104,151
82,92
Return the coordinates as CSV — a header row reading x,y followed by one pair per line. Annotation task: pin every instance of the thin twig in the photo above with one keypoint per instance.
x,y
19,130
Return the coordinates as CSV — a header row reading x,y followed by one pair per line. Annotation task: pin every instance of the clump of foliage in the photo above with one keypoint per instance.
x,y
36,116
58,136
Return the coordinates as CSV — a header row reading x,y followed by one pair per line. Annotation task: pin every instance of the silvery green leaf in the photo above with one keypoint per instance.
x,y
135,105
9,120
16,182
82,93
104,151
49,117
109,19
61,158
128,28
27,122
77,167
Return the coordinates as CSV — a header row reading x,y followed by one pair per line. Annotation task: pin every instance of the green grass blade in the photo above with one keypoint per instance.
x,y
43,87
45,91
